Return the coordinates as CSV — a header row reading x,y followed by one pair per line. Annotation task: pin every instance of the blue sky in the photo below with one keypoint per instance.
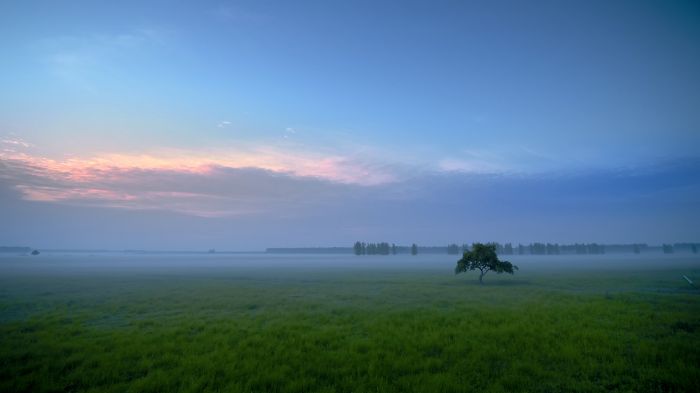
x,y
232,112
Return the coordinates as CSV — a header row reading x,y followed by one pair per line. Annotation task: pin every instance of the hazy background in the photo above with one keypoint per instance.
x,y
244,125
266,267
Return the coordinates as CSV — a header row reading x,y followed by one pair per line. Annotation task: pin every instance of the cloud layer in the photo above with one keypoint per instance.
x,y
212,185
249,198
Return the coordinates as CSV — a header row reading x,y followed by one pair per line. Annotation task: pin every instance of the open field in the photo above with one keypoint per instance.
x,y
114,323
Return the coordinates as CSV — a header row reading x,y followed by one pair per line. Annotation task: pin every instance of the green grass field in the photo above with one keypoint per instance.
x,y
286,329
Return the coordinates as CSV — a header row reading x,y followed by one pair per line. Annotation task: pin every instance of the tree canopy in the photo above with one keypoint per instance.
x,y
483,257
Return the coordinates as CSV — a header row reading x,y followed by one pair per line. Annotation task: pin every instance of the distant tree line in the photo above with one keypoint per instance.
x,y
536,248
453,249
382,248
576,248
680,247
16,250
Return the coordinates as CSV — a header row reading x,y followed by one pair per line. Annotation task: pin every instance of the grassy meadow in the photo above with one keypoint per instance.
x,y
364,324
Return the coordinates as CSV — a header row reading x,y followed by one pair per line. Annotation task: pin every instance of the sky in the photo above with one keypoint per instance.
x,y
250,124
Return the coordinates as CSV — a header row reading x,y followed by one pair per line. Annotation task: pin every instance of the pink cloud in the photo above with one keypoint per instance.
x,y
53,194
331,168
207,184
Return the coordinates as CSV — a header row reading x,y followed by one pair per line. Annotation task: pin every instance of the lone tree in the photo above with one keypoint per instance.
x,y
483,257
414,249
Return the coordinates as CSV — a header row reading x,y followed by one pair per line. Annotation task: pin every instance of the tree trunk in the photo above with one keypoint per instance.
x,y
481,277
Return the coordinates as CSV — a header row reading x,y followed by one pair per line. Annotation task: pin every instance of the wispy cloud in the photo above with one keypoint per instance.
x,y
212,183
520,159
468,166
244,178
288,132
14,142
660,202
223,124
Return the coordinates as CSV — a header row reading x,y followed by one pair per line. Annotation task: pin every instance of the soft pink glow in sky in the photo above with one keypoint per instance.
x,y
197,182
53,194
332,168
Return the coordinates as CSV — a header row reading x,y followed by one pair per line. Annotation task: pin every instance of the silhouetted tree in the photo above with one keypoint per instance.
x,y
414,249
384,248
595,248
694,248
499,247
483,257
453,249
552,249
549,249
635,248
508,249
357,248
371,249
538,249
667,248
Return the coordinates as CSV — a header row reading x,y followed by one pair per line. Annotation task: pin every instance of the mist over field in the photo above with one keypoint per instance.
x,y
66,263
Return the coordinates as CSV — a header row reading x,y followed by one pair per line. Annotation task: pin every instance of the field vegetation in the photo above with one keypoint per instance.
x,y
296,329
